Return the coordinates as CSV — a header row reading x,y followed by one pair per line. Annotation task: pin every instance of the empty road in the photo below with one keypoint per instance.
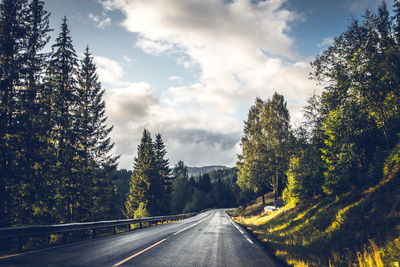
x,y
208,239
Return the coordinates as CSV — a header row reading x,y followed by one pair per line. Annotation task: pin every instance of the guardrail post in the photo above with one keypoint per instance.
x,y
140,225
19,245
94,233
114,229
65,237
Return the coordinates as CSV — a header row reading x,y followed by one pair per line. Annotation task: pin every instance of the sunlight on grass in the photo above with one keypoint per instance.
x,y
355,229
340,217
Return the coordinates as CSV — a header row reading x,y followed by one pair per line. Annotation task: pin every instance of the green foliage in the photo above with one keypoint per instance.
x,y
181,188
54,149
164,175
361,100
141,211
209,190
304,177
346,151
266,145
143,172
150,180
343,231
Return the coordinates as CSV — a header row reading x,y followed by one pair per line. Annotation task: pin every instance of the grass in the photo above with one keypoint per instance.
x,y
254,208
355,229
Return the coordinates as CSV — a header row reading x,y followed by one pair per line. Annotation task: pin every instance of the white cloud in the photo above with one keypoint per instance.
x,y
136,106
154,47
128,59
326,42
176,79
109,71
241,49
101,22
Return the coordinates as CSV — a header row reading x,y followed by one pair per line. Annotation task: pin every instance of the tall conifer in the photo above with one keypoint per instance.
x,y
62,81
163,171
142,175
12,34
34,128
95,143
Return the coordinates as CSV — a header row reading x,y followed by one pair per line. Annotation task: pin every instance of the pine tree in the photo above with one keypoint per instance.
x,y
95,143
182,190
34,128
142,175
163,170
12,34
62,83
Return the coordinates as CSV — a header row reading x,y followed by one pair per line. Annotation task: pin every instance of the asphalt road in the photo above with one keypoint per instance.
x,y
208,239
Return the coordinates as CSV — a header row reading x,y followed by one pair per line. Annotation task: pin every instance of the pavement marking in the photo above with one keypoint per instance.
x,y
240,230
190,226
138,253
8,256
155,244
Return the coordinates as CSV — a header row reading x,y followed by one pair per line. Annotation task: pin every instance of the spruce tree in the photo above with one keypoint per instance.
x,y
34,128
95,143
163,171
182,189
12,35
62,72
139,194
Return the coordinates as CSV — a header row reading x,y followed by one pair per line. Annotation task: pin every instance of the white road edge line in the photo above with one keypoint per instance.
x,y
240,230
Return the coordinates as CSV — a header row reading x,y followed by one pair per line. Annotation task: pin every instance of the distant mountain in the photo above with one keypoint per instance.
x,y
206,169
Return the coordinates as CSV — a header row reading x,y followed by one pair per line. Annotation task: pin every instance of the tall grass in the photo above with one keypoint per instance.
x,y
355,229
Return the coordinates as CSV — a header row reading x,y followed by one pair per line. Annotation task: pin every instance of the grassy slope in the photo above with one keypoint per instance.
x,y
358,228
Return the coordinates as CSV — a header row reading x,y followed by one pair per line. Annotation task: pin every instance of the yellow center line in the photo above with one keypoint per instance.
x,y
8,256
159,242
138,253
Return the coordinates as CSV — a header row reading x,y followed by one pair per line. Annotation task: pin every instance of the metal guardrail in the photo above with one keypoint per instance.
x,y
43,230
34,230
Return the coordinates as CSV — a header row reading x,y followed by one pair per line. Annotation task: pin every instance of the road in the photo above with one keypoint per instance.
x,y
208,239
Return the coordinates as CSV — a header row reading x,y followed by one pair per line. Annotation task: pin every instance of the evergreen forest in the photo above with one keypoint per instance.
x,y
56,160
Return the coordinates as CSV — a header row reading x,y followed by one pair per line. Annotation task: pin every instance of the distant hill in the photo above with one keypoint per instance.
x,y
206,169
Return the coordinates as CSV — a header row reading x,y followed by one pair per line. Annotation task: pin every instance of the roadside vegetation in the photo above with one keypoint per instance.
x,y
358,228
338,172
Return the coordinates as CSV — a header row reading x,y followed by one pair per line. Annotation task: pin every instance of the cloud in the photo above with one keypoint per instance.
x,y
128,59
136,106
109,71
101,22
176,79
241,49
326,42
154,47
361,5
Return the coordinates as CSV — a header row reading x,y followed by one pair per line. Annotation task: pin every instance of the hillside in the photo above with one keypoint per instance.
x,y
354,229
194,171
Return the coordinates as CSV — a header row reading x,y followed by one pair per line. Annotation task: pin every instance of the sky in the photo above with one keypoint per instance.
x,y
191,69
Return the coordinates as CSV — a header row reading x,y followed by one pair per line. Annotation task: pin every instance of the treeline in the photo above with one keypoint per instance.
x,y
54,147
209,190
155,189
350,131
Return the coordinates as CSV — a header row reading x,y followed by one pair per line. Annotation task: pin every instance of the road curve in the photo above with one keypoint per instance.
x,y
208,239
